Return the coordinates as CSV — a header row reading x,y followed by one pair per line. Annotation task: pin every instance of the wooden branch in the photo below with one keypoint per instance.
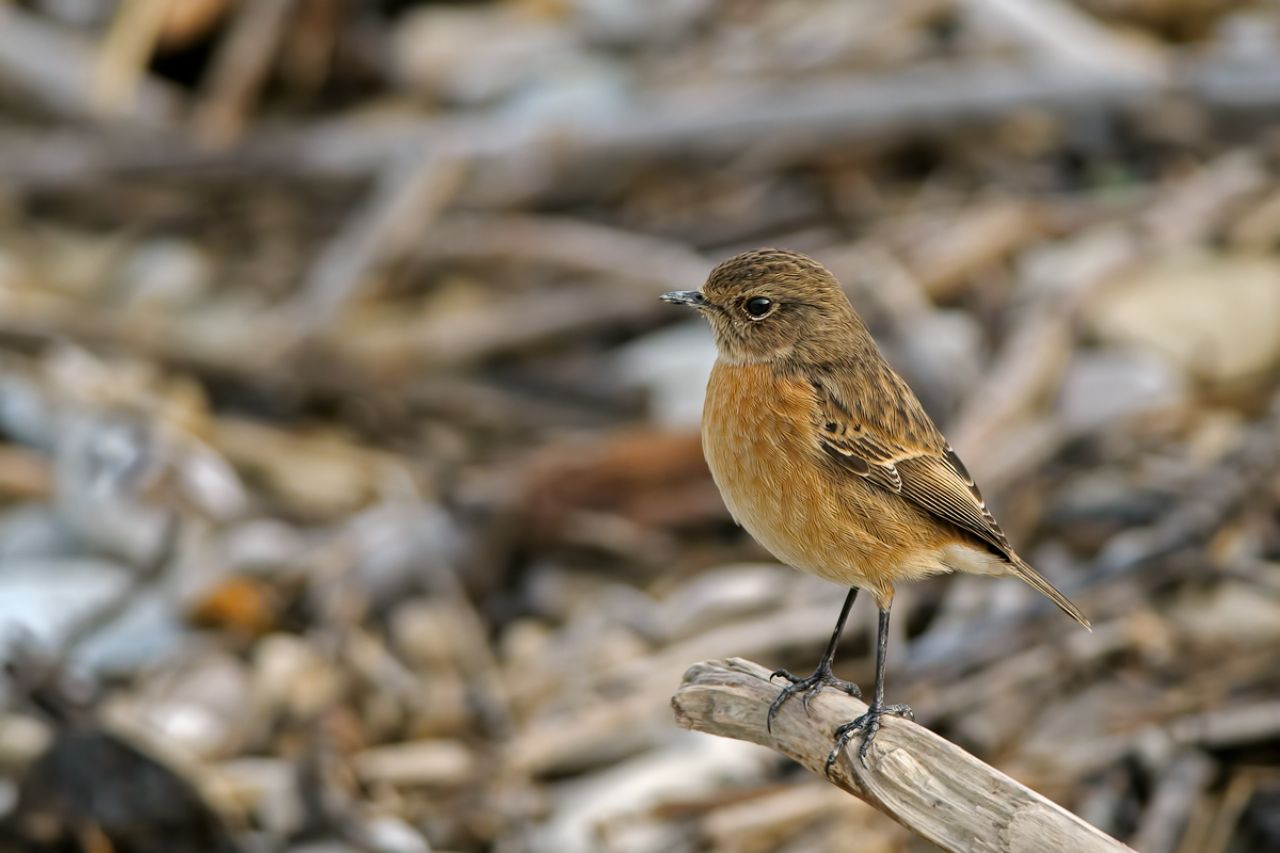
x,y
411,191
924,782
1069,36
56,67
709,122
240,69
125,51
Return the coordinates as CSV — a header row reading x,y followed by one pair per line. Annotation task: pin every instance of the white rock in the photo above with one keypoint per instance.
x,y
574,88
147,632
34,531
211,483
1102,387
83,14
415,763
673,365
290,675
720,595
692,766
100,464
474,54
1230,616
42,598
200,704
263,545
392,835
943,353
399,543
1246,36
165,272
25,415
633,22
1215,316
22,739
429,632
266,787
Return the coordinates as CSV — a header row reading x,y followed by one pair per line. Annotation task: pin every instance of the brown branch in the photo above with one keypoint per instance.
x,y
56,68
240,69
1069,36
924,782
519,158
410,193
525,157
127,47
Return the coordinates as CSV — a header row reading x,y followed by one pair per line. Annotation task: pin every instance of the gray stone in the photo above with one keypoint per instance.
x,y
164,273
392,835
147,632
32,532
673,365
1102,387
42,598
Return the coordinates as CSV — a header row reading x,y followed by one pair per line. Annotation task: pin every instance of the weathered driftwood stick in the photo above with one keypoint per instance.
x,y
924,782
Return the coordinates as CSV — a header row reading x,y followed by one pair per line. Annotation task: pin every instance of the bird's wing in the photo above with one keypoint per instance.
x,y
896,446
911,459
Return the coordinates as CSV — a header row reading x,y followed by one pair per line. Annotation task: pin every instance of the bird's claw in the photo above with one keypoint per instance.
x,y
808,687
869,723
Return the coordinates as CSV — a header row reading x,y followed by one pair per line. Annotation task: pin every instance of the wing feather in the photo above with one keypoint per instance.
x,y
931,477
902,452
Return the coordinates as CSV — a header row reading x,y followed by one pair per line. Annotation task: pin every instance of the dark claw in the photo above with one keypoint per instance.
x,y
903,711
807,687
868,723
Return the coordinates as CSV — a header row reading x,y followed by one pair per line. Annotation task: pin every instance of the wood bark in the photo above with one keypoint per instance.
x,y
929,785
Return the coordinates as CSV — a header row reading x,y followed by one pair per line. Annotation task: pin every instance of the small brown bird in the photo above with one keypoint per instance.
x,y
827,458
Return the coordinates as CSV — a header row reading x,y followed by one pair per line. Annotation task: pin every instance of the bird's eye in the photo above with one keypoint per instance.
x,y
758,306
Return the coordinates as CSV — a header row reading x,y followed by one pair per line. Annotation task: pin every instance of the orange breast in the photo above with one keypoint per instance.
x,y
757,434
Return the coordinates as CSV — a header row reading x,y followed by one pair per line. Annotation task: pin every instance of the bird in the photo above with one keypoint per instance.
x,y
822,452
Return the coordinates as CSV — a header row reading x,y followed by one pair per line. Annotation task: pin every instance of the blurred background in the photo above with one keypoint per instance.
x,y
351,495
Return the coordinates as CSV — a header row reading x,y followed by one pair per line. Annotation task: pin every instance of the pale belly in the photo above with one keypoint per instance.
x,y
778,486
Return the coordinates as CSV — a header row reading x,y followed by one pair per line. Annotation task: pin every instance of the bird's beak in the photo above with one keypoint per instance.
x,y
692,298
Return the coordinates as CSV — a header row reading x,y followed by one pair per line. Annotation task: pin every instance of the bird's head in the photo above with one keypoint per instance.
x,y
772,304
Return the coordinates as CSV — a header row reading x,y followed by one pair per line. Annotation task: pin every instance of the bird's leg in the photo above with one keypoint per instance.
x,y
821,676
869,723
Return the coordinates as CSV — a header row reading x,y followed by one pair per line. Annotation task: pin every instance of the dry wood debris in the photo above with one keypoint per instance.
x,y
930,786
350,488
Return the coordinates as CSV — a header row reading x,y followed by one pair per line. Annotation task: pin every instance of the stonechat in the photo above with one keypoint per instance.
x,y
827,458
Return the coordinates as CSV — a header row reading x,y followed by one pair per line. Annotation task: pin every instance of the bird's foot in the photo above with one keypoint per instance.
x,y
808,687
869,723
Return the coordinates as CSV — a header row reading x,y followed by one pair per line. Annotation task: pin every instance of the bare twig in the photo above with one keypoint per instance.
x,y
927,784
125,52
56,69
542,150
410,192
576,245
243,61
102,617
1065,34
1179,787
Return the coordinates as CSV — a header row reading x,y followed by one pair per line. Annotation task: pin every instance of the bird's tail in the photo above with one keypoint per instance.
x,y
1037,580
